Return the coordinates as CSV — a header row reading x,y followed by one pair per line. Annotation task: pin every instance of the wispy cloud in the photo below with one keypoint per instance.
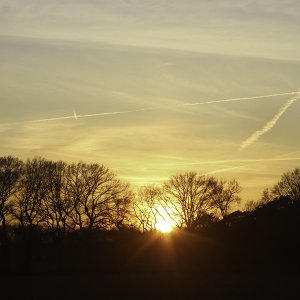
x,y
257,134
210,24
228,161
77,116
249,163
239,99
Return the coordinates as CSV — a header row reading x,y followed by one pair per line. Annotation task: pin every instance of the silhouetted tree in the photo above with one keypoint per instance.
x,y
96,195
205,220
33,189
234,218
224,195
57,207
10,172
289,185
187,197
145,207
251,205
266,197
120,214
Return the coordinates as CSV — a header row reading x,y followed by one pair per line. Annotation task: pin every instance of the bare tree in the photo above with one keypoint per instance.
x,y
56,207
10,172
187,197
289,185
120,214
267,196
251,205
96,195
224,195
145,207
33,189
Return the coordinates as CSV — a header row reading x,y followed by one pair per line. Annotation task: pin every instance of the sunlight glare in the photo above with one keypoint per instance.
x,y
164,227
165,223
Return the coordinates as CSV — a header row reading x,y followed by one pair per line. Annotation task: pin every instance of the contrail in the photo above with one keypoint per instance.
x,y
115,113
238,99
227,161
257,134
76,117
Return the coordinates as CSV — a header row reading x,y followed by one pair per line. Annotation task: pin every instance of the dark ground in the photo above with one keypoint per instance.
x,y
247,256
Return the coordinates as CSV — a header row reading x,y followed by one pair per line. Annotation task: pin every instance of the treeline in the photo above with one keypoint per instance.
x,y
61,197
58,198
77,228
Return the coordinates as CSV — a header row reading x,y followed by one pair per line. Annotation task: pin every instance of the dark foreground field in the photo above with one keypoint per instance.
x,y
247,256
153,266
152,286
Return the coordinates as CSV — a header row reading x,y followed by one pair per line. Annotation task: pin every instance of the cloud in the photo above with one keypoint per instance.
x,y
239,99
76,116
233,161
257,134
247,27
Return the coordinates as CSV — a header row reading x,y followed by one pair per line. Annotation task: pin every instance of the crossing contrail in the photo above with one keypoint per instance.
x,y
238,99
76,116
257,134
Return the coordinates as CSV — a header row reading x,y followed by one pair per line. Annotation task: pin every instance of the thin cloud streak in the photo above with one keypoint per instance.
x,y
76,116
223,170
250,162
244,166
257,134
239,99
215,162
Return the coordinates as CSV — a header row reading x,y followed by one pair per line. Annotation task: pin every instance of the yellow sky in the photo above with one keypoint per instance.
x,y
148,60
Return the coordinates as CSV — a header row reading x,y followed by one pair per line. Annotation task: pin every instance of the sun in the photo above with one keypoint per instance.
x,y
165,222
164,227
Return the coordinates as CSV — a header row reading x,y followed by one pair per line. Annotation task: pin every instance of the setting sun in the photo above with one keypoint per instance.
x,y
164,227
166,220
150,149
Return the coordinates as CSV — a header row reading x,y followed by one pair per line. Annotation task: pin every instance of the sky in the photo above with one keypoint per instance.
x,y
138,85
